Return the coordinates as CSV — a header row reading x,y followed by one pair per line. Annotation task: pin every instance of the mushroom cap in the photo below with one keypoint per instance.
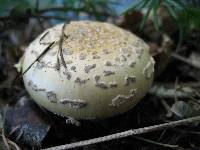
x,y
108,70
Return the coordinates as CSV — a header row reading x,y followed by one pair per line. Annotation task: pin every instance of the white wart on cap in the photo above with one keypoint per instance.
x,y
108,70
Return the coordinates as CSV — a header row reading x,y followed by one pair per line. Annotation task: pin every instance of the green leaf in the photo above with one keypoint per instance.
x,y
138,5
6,6
180,35
120,7
155,15
176,4
170,10
142,5
16,6
144,20
193,16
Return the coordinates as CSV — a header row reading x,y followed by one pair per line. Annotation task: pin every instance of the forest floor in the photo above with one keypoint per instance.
x,y
175,95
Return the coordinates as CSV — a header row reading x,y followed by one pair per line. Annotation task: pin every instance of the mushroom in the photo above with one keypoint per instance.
x,y
97,71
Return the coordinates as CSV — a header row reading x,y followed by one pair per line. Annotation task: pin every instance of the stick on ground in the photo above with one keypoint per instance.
x,y
126,134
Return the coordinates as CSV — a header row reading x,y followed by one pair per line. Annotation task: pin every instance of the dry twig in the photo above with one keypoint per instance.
x,y
44,52
185,60
157,143
126,134
5,139
167,108
8,143
14,145
60,50
169,91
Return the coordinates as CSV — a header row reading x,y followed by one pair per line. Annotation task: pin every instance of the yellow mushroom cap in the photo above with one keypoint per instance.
x,y
108,70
